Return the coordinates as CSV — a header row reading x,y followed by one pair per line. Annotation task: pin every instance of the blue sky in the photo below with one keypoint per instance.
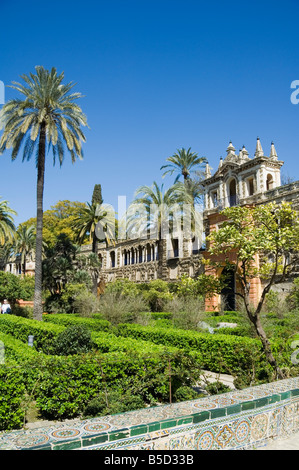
x,y
156,76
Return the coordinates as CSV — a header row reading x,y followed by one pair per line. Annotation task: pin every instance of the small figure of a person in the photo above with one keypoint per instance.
x,y
5,307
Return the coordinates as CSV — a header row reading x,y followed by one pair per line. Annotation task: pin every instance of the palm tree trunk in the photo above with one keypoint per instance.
x,y
95,249
38,305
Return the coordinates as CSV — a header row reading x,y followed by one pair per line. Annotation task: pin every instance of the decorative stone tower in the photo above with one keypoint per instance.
x,y
239,180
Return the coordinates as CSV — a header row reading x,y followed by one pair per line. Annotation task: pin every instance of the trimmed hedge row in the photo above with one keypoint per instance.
x,y
220,353
69,383
16,350
70,319
21,328
45,334
12,391
108,342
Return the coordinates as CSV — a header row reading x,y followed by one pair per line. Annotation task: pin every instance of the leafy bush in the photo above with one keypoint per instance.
x,y
123,287
293,297
27,287
20,311
157,294
75,339
220,353
85,303
214,388
118,308
186,311
10,287
112,402
12,392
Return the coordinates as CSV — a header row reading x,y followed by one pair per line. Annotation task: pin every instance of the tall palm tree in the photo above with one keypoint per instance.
x,y
96,221
46,117
25,244
7,226
184,162
154,211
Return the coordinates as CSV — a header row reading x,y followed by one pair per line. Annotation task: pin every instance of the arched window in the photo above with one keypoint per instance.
x,y
112,259
269,182
232,192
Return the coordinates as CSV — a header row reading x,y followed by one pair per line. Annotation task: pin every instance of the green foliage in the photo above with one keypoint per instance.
x,y
26,311
75,339
70,383
123,287
186,311
20,328
10,287
59,220
27,287
293,297
219,353
68,320
118,308
214,388
12,392
111,403
7,226
157,294
97,195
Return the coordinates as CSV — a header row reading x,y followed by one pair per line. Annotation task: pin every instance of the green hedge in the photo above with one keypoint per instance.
x,y
220,353
12,392
16,350
70,319
68,384
21,328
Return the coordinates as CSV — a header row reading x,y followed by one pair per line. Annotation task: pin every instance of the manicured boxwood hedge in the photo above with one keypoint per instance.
x,y
94,324
134,359
21,328
12,391
220,353
15,349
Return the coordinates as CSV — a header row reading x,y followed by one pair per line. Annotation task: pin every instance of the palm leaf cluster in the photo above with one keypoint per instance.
x,y
7,226
184,162
47,103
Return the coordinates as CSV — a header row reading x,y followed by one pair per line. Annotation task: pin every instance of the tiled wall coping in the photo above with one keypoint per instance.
x,y
153,423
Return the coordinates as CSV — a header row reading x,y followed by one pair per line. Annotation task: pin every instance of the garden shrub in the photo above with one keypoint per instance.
x,y
214,388
75,339
64,301
293,297
85,303
186,312
112,402
220,353
157,294
123,287
12,392
22,311
19,327
93,323
70,383
118,308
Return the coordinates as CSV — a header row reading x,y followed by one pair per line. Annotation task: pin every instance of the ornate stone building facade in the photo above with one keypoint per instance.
x,y
240,180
